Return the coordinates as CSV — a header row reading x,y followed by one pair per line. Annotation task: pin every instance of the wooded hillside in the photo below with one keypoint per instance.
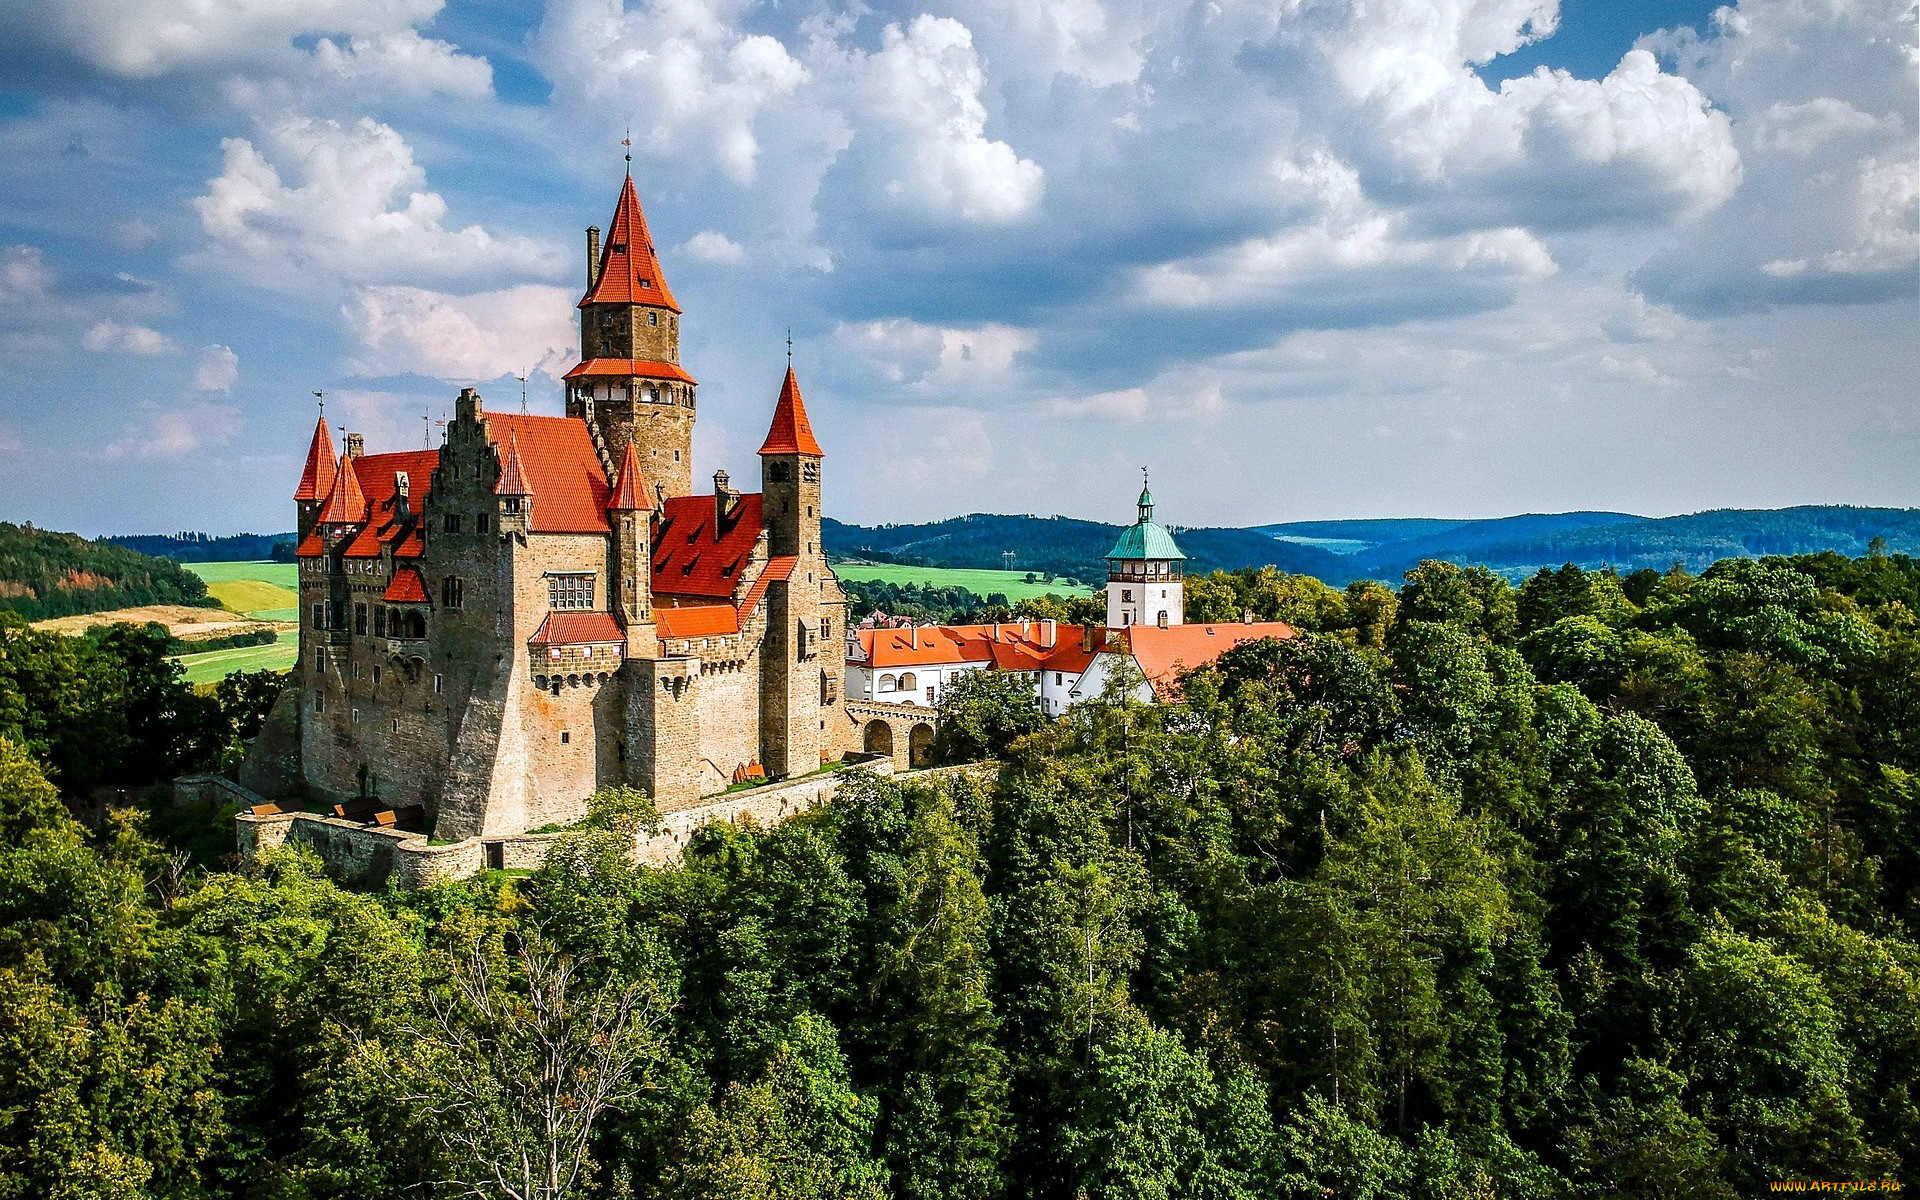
x,y
45,574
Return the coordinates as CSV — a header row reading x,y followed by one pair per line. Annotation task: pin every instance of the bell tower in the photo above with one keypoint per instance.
x,y
1144,585
629,386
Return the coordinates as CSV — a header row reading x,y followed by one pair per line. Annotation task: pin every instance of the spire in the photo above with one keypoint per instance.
x,y
346,503
317,479
1146,499
513,481
630,490
629,270
791,433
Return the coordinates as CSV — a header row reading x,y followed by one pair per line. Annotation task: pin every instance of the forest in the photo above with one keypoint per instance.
x,y
1599,886
46,574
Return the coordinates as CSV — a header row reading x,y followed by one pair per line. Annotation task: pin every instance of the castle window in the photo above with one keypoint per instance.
x,y
570,590
320,661
810,472
513,505
482,523
319,704
451,523
436,685
453,591
376,674
320,615
566,736
889,684
360,619
1126,595
652,317
379,622
396,724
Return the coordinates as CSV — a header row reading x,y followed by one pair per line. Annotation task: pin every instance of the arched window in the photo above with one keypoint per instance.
x,y
908,682
453,591
889,684
416,625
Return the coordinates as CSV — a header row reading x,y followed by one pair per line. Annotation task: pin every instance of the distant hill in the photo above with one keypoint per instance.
x,y
1059,544
1341,551
201,547
45,574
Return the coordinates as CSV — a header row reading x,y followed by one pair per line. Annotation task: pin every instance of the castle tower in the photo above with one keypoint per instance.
x,y
1144,573
629,386
803,657
630,513
316,479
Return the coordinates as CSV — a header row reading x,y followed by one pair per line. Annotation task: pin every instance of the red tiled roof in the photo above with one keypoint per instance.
x,y
1163,654
560,468
777,569
573,628
631,493
513,481
622,368
408,587
1008,646
378,477
629,269
691,557
345,505
697,620
1069,656
317,479
791,432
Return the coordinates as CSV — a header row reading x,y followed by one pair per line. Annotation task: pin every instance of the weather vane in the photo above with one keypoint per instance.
x,y
523,395
627,141
789,345
322,398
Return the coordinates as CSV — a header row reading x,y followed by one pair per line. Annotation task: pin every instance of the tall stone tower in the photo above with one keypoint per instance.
x,y
629,386
1144,584
804,656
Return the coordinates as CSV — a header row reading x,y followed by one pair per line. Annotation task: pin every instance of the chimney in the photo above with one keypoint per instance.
x,y
402,489
356,445
1047,632
1086,638
722,496
593,256
467,407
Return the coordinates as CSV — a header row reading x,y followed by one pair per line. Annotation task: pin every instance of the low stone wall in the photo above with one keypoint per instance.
x,y
211,791
370,856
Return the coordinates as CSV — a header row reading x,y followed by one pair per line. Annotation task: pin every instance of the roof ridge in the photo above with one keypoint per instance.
x,y
316,479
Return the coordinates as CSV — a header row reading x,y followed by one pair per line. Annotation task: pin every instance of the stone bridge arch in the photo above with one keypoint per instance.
x,y
902,732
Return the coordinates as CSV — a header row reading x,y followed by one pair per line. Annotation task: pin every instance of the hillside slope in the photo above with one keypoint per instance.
x,y
45,574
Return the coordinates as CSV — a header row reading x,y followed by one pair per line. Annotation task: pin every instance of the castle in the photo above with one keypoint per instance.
x,y
493,630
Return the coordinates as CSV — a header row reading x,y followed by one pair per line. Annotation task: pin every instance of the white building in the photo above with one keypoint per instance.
x,y
1067,664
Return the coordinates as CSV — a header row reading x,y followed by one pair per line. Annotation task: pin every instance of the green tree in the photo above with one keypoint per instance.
x,y
982,712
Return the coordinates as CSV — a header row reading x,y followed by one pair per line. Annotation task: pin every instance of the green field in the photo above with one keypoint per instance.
x,y
261,590
983,582
214,665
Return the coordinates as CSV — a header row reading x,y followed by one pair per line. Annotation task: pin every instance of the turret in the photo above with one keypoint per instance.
x,y
629,385
630,513
1144,572
316,478
512,492
790,461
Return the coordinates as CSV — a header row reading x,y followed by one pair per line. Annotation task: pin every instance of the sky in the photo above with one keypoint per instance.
x,y
1305,259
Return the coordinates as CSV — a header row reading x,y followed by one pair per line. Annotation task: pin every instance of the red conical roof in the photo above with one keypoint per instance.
x,y
513,481
317,479
629,270
630,491
791,433
346,503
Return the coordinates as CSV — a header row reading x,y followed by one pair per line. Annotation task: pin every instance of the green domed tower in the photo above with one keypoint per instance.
x,y
1144,573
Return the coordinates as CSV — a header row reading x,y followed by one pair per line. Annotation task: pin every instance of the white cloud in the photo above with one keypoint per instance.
x,y
1887,238
146,38
932,357
172,433
24,274
931,445
1813,124
218,370
105,336
683,69
1127,404
401,62
352,206
407,330
924,88
714,247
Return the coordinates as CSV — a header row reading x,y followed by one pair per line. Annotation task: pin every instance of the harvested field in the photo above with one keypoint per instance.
x,y
185,623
